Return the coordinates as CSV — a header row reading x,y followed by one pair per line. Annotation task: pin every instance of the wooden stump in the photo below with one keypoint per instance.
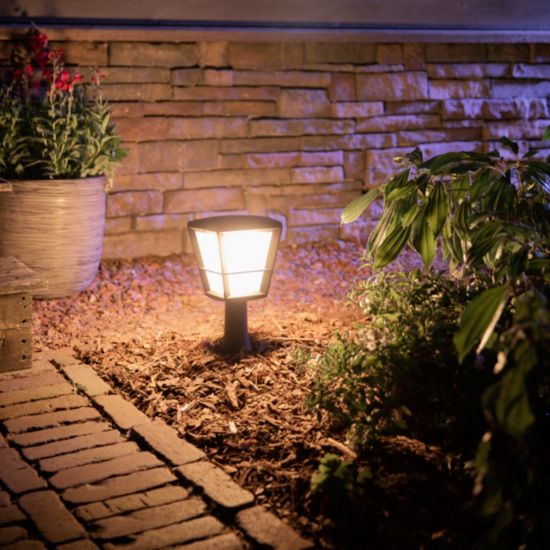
x,y
17,284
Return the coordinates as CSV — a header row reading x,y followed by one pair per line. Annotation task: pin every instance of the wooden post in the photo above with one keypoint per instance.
x,y
17,283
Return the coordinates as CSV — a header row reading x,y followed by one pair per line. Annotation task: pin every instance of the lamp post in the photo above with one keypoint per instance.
x,y
235,255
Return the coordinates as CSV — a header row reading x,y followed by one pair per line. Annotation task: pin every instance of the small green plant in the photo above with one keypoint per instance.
x,y
401,374
49,126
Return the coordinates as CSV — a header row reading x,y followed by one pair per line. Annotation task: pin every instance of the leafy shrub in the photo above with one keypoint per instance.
x,y
490,218
401,375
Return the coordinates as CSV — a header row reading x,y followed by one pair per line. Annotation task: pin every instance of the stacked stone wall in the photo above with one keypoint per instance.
x,y
293,130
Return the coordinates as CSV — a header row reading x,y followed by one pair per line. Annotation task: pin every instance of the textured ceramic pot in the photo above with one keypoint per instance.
x,y
55,227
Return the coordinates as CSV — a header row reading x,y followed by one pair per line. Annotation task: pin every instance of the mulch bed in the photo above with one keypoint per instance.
x,y
148,329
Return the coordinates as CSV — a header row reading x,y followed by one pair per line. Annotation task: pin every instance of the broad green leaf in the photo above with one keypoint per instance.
x,y
437,163
391,246
424,240
479,320
415,156
437,208
508,143
397,181
546,135
357,206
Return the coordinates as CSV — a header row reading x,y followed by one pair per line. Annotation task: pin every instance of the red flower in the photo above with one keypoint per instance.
x,y
55,55
37,40
28,70
42,58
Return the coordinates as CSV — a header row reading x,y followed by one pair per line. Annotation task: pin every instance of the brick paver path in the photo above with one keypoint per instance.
x,y
81,468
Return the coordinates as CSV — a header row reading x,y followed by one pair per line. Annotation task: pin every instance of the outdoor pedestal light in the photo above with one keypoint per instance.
x,y
235,256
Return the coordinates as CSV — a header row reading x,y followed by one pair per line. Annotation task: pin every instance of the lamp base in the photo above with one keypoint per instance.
x,y
235,337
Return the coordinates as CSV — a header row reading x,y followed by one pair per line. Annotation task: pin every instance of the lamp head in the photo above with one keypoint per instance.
x,y
235,254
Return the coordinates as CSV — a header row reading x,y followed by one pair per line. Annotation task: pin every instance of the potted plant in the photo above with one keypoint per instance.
x,y
57,146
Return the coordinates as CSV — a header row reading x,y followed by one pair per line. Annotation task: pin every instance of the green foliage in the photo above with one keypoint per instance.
x,y
489,216
483,211
513,478
402,374
50,127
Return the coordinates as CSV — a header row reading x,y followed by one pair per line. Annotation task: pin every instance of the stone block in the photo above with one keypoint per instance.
x,y
217,77
207,127
124,75
355,141
197,200
16,474
213,54
269,531
160,222
130,503
137,92
142,129
540,53
412,107
260,145
119,486
33,394
339,52
50,420
115,226
316,174
456,53
86,379
522,129
216,484
137,245
153,55
299,127
414,138
342,87
72,401
357,109
226,93
285,79
61,433
414,56
54,522
397,122
92,473
123,413
87,456
166,442
506,89
311,234
235,178
448,89
173,156
83,53
303,104
265,55
147,519
507,53
540,71
389,54
406,86
314,216
186,77
176,534
256,109
354,164
72,445
161,181
128,203
468,70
